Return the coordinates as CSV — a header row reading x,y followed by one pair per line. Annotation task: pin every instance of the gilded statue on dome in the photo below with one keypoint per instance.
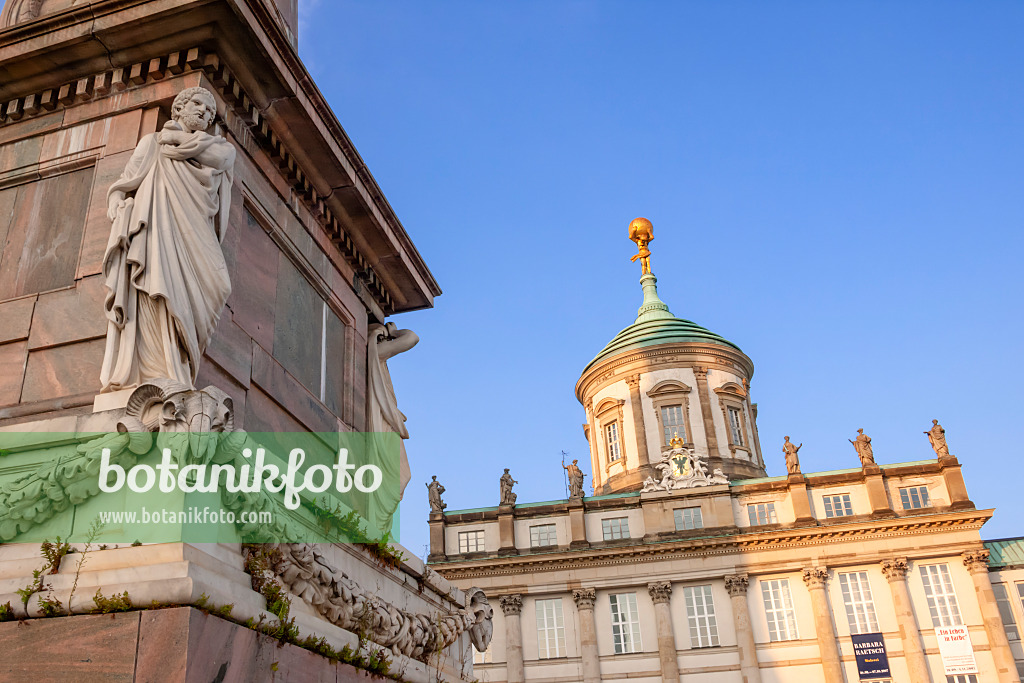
x,y
641,231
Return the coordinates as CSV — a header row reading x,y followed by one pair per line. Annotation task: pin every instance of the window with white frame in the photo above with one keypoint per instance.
x,y
625,623
962,678
483,657
542,535
611,433
736,425
550,628
778,608
1020,594
938,589
914,497
615,528
838,505
471,541
672,422
688,518
860,608
1006,610
700,609
762,513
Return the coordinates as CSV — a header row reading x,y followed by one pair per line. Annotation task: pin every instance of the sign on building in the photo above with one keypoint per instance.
x,y
956,650
872,659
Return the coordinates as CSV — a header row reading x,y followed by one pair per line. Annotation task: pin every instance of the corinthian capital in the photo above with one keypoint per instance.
x,y
895,569
976,560
700,372
736,585
815,577
584,598
633,381
511,604
661,591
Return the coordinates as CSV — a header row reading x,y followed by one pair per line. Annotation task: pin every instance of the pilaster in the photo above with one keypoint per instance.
x,y
636,407
828,644
577,525
506,530
701,373
584,599
661,595
958,498
976,562
512,606
798,497
874,482
749,668
895,570
437,550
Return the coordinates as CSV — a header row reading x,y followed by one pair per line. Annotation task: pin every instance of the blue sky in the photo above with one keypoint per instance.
x,y
835,187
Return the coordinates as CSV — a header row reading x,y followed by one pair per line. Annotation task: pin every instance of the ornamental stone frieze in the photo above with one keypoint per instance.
x,y
584,598
815,577
511,604
976,560
895,569
737,585
660,591
682,468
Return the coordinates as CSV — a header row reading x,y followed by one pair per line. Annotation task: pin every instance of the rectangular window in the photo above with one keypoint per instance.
x,y
625,623
762,513
736,426
914,497
550,628
612,432
542,535
860,608
938,588
672,423
838,505
615,528
1006,610
471,541
778,608
688,518
962,678
700,609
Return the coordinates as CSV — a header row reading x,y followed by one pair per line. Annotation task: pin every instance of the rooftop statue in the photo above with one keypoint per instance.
x,y
507,482
641,231
164,269
862,444
792,461
937,438
575,479
434,491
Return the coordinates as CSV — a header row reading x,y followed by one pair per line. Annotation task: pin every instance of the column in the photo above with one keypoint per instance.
x,y
976,562
584,599
749,669
633,382
896,572
512,605
701,373
661,594
815,578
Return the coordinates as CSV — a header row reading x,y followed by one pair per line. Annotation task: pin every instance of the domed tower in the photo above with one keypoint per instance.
x,y
664,377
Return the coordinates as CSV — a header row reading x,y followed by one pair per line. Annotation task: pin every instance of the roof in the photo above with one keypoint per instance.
x,y
655,325
1005,552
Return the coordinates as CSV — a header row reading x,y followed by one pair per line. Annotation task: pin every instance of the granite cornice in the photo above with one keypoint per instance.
x,y
679,354
774,539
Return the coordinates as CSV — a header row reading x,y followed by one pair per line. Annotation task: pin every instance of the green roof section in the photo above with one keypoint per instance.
x,y
1005,552
655,325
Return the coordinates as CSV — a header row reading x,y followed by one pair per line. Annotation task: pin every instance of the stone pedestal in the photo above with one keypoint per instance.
x,y
958,498
798,496
815,579
877,497
512,606
976,562
577,525
584,599
917,665
661,595
506,530
436,523
749,668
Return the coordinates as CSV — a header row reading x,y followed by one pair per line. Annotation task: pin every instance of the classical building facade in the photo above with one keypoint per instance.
x,y
690,564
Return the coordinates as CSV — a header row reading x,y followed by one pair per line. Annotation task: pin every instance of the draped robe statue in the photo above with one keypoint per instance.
x,y
165,273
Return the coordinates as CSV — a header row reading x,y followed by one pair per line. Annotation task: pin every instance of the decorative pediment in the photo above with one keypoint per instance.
x,y
668,386
731,389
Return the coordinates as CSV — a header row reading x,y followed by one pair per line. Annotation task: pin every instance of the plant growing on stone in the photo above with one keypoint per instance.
x,y
54,552
118,602
94,532
7,613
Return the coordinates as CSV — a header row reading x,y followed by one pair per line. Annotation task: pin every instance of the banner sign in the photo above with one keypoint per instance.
x,y
956,650
872,659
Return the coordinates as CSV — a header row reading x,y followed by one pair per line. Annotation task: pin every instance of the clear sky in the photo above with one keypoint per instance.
x,y
835,187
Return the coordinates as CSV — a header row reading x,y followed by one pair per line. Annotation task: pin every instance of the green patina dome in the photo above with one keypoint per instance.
x,y
655,325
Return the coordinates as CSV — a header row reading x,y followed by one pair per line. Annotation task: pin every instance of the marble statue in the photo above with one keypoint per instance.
x,y
792,461
862,444
937,438
165,273
384,342
507,482
575,479
434,491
